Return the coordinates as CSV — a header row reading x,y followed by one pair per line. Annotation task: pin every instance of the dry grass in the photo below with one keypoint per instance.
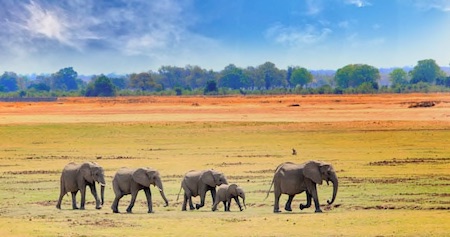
x,y
392,162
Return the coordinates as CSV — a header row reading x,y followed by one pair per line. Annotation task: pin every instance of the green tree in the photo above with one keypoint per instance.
x,y
211,87
9,82
353,75
300,76
65,79
426,71
144,81
233,77
398,77
101,86
271,75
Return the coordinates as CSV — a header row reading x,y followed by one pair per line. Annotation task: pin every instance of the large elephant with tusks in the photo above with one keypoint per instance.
x,y
292,179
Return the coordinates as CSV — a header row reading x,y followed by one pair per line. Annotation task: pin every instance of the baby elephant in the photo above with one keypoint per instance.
x,y
130,181
225,193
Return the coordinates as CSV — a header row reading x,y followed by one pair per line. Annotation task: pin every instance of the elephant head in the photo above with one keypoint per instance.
x,y
147,177
318,171
92,172
236,191
213,178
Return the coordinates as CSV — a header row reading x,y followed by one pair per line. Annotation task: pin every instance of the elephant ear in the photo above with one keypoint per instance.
x,y
232,190
141,177
86,171
208,178
312,171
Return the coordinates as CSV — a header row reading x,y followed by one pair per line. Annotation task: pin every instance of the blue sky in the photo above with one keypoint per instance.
x,y
125,36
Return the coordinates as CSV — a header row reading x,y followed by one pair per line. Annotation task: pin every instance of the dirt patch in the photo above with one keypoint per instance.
x,y
395,161
422,104
376,180
33,172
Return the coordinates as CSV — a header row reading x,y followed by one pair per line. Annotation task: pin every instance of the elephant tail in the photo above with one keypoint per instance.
x,y
178,196
269,189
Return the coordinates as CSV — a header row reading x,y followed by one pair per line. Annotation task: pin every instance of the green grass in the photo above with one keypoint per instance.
x,y
393,182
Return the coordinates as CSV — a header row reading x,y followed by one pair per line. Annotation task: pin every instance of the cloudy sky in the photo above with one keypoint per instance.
x,y
125,36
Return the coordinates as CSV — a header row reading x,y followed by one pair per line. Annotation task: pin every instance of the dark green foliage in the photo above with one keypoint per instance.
x,y
426,71
65,79
8,82
100,86
211,88
354,75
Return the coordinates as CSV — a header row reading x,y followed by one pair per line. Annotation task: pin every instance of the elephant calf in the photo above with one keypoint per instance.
x,y
75,177
227,192
130,181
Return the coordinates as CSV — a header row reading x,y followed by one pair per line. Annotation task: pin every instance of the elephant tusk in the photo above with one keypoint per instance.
x,y
103,185
328,182
160,190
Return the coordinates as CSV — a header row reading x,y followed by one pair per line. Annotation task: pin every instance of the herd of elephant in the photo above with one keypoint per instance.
x,y
289,178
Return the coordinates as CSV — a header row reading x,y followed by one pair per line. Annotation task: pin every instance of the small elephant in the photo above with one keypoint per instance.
x,y
130,181
292,179
198,183
227,192
76,177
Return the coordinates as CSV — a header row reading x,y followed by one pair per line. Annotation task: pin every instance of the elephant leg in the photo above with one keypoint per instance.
x,y
74,200
226,206
61,195
98,205
214,207
213,194
316,198
276,205
287,207
133,200
191,205
115,204
308,201
148,195
83,197
202,193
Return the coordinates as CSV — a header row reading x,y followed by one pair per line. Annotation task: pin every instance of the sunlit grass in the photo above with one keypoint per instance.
x,y
392,181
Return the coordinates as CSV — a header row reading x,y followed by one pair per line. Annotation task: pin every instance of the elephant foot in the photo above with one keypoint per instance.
x,y
318,211
150,211
129,211
58,207
76,208
192,208
98,208
197,206
276,211
288,208
116,211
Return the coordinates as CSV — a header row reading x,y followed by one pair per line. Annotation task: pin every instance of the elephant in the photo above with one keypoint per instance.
x,y
76,177
227,192
292,179
130,181
198,183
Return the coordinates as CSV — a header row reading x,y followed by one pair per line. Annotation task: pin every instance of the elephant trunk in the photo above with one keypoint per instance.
x,y
161,191
102,194
334,180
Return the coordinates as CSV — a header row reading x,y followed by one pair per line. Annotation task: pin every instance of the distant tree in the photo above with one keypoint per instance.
x,y
119,82
9,82
233,77
272,76
426,71
353,75
100,86
144,81
65,79
300,76
211,87
39,86
443,81
398,77
171,77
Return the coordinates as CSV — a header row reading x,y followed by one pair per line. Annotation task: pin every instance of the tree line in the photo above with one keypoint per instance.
x,y
266,78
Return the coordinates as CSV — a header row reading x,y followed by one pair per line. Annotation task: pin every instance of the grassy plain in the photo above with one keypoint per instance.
x,y
392,161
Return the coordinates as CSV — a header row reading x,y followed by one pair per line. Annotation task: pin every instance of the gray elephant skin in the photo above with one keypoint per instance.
x,y
292,179
227,192
197,183
131,181
75,177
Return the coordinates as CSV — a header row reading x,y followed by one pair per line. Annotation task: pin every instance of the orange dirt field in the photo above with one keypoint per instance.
x,y
279,108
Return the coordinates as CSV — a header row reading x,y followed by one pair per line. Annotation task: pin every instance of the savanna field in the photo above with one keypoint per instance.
x,y
391,154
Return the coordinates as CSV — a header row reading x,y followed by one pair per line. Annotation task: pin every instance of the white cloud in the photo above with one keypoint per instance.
x,y
296,36
358,3
440,5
